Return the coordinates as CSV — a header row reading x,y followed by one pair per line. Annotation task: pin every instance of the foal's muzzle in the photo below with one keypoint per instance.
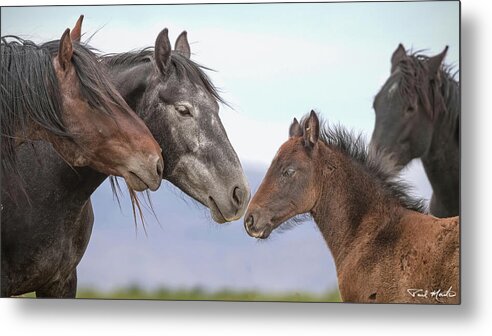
x,y
255,228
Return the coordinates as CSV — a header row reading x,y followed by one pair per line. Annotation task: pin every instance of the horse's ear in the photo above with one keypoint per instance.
x,y
435,62
65,51
182,46
311,130
77,30
397,56
295,129
162,52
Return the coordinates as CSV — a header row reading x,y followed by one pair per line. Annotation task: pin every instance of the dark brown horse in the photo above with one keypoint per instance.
x,y
59,92
418,116
385,249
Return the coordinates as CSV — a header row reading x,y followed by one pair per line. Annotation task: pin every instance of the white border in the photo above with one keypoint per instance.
x,y
473,317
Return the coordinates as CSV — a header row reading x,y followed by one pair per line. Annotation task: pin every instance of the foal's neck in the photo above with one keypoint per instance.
x,y
350,207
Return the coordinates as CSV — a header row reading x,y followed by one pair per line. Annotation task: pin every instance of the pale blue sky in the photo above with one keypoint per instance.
x,y
274,62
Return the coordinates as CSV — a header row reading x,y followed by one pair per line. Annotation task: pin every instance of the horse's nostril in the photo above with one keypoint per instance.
x,y
160,167
249,222
237,196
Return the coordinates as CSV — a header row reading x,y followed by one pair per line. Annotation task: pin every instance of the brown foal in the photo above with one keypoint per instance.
x,y
386,250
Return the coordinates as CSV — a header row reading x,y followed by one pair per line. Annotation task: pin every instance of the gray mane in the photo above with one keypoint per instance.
x,y
183,66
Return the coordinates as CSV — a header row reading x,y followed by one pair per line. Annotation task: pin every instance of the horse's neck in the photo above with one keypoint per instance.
x,y
445,135
42,168
345,211
77,184
88,180
441,162
131,82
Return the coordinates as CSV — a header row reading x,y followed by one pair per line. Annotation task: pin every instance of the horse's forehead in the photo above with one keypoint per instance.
x,y
392,89
289,151
393,83
201,95
183,89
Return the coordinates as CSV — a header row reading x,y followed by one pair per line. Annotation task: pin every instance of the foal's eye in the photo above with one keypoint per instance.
x,y
289,172
183,110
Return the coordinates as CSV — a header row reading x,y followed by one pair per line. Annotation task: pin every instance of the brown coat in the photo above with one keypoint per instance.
x,y
386,249
420,266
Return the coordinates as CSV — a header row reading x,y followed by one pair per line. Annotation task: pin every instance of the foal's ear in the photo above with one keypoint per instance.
x,y
65,51
311,130
435,62
397,56
295,129
162,51
182,46
77,30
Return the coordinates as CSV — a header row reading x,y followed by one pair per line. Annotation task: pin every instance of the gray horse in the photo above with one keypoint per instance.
x,y
43,242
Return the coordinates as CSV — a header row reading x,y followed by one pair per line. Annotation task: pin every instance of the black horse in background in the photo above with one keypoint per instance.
x,y
418,116
42,243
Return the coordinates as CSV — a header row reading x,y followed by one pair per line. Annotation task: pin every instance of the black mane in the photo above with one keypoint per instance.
x,y
415,72
182,65
354,146
30,91
95,82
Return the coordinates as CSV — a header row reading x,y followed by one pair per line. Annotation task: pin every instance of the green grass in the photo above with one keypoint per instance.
x,y
197,294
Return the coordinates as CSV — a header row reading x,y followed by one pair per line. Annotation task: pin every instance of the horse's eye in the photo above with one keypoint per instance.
x,y
289,172
183,110
410,110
